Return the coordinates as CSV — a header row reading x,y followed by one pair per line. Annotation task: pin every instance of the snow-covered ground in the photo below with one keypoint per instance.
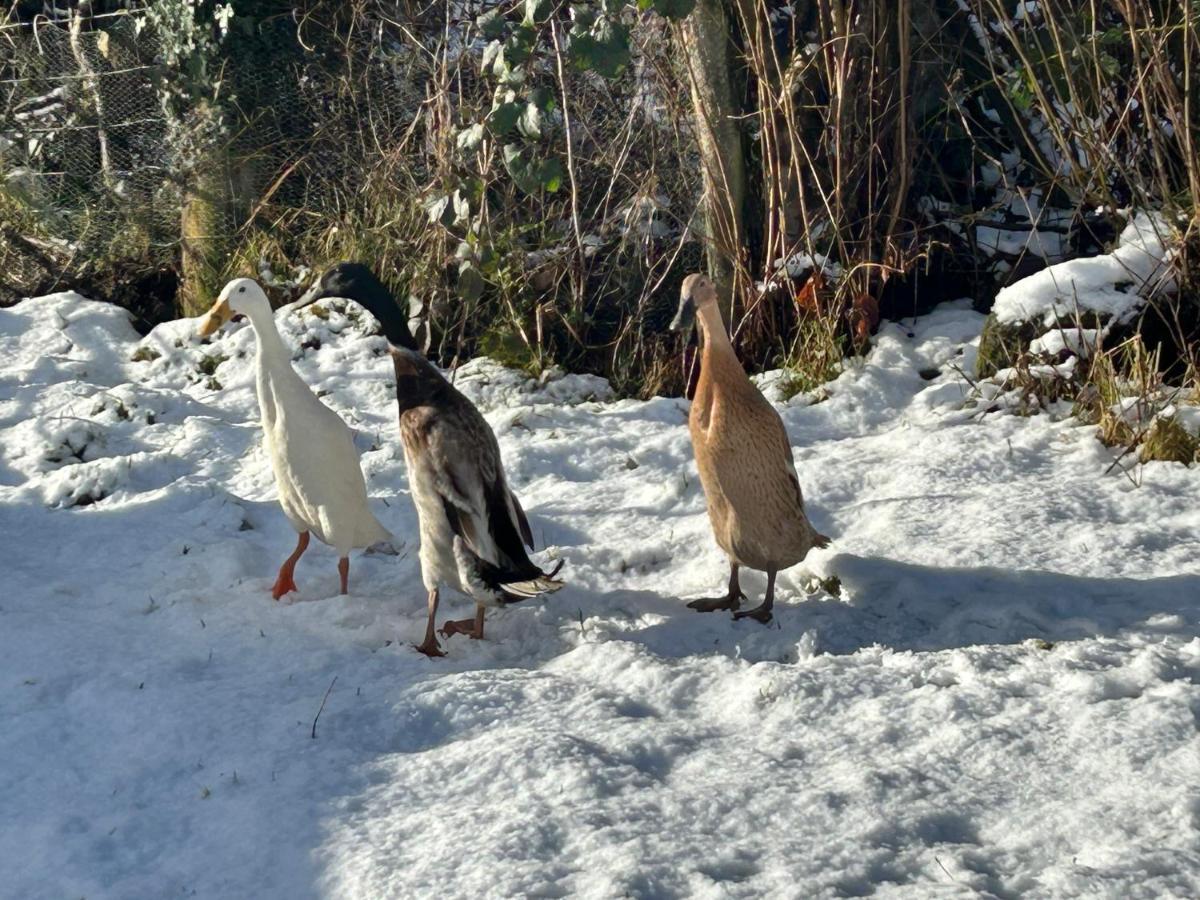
x,y
1003,701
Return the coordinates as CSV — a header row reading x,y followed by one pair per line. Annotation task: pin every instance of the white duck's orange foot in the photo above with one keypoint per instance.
x,y
283,584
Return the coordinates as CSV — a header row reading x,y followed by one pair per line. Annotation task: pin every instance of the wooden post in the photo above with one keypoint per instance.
x,y
204,232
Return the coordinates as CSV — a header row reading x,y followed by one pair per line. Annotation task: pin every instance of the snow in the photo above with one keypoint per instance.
x,y
1002,700
1077,341
1024,226
1115,285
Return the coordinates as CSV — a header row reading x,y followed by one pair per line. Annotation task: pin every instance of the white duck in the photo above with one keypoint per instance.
x,y
312,451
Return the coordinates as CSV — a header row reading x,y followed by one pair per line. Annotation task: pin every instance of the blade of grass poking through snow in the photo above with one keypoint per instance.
x,y
328,691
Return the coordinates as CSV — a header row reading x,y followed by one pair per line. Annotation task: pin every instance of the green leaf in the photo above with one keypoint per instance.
x,y
470,282
532,175
530,123
674,9
519,46
603,48
491,24
503,118
550,173
462,208
435,208
469,138
543,98
504,72
537,10
521,169
490,52
583,17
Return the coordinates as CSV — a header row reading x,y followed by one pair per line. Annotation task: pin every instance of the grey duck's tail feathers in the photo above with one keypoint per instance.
x,y
489,582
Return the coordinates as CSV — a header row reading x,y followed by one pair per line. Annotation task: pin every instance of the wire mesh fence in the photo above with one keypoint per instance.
x,y
338,130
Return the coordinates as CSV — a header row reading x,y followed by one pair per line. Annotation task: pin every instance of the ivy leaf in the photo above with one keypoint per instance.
x,y
522,170
503,118
673,9
470,282
519,46
551,174
602,48
543,99
462,208
490,52
435,208
532,175
491,24
504,71
537,10
469,138
530,123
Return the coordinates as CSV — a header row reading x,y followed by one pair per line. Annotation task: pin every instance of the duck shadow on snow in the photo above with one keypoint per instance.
x,y
901,606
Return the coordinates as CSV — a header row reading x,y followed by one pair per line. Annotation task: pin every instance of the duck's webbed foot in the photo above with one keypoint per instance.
x,y
286,581
430,647
284,584
472,628
712,604
732,599
761,613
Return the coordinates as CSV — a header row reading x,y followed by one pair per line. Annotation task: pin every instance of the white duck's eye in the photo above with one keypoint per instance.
x,y
242,290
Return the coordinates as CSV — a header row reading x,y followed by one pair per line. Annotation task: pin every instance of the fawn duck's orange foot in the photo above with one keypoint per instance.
x,y
712,604
758,614
732,600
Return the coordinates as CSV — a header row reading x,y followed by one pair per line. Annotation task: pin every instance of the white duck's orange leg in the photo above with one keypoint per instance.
x,y
430,646
286,582
472,628
344,572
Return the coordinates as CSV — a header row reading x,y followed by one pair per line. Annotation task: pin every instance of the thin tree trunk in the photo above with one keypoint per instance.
x,y
708,52
91,85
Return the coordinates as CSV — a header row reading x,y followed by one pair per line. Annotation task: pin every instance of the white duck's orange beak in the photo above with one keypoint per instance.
x,y
215,318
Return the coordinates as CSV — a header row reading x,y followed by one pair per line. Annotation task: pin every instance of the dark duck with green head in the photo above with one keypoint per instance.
x,y
474,533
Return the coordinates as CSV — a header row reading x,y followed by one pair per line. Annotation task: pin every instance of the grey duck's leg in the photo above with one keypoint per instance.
x,y
430,646
761,613
472,628
732,600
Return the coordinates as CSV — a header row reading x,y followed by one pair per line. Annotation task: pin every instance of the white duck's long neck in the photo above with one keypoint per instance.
x,y
274,370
